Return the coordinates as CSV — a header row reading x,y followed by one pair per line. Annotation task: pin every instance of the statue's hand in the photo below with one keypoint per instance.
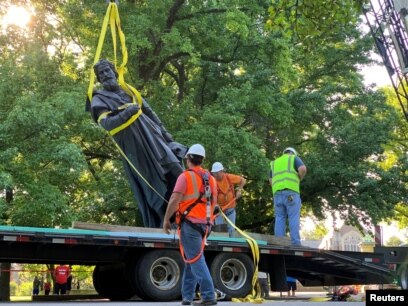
x,y
178,149
133,109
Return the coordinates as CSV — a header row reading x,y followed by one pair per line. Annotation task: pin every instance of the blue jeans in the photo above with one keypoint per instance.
x,y
287,204
197,272
232,215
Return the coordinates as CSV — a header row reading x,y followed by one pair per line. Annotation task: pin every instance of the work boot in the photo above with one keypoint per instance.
x,y
205,303
185,303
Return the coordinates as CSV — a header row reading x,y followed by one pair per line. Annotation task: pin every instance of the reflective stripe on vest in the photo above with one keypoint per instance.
x,y
192,190
284,175
194,182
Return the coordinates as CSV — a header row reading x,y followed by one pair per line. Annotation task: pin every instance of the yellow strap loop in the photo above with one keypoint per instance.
x,y
255,296
99,50
126,124
112,18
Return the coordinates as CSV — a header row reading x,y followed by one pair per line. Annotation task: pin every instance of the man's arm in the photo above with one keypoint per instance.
x,y
300,168
111,119
172,207
241,185
302,172
270,177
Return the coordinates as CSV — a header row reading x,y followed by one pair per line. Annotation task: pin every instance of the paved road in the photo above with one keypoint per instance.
x,y
305,298
140,303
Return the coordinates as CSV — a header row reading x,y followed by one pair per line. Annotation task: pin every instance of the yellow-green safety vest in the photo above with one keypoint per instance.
x,y
284,174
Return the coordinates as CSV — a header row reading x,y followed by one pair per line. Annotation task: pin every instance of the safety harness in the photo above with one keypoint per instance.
x,y
230,189
112,19
181,217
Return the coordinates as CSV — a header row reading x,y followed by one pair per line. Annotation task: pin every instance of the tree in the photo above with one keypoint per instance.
x,y
394,241
215,74
395,157
335,137
319,232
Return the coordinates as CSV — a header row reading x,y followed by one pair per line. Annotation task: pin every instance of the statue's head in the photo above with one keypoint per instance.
x,y
106,74
102,64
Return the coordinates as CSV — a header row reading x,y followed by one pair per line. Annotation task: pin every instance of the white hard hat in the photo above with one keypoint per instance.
x,y
290,150
196,149
216,167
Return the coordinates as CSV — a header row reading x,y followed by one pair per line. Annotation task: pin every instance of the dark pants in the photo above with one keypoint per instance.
x,y
60,288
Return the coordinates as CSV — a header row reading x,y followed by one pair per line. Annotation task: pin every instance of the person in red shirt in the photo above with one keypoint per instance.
x,y
227,195
61,274
47,287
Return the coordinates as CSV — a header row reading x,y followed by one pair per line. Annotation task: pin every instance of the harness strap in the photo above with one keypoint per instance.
x,y
208,195
231,189
189,208
197,257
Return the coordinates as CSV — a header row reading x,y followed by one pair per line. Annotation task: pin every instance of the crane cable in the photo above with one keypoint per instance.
x,y
112,19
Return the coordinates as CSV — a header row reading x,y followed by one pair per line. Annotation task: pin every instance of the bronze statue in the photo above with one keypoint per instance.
x,y
145,141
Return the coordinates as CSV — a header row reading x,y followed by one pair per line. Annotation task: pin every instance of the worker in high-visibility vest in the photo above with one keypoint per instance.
x,y
227,195
285,175
193,201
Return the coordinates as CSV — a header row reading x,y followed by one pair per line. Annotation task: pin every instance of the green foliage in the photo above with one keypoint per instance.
x,y
319,232
309,20
394,241
217,73
13,288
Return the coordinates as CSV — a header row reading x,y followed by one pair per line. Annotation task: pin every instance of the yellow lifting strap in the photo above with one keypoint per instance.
x,y
112,19
255,296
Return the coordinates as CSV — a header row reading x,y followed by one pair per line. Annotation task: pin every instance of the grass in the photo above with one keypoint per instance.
x,y
21,298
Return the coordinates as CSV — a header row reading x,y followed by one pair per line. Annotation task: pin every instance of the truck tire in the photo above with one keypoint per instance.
x,y
403,276
110,281
135,283
158,275
232,274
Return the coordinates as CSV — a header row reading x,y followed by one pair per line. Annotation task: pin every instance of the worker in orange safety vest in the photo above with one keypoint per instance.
x,y
193,200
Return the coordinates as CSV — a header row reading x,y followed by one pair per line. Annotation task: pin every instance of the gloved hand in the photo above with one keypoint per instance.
x,y
217,209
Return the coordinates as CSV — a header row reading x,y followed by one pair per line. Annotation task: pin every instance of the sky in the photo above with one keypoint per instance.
x,y
376,74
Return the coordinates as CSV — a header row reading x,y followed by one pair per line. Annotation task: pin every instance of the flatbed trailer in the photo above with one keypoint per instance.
x,y
397,260
148,263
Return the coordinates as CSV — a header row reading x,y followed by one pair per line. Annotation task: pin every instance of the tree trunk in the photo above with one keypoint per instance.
x,y
5,282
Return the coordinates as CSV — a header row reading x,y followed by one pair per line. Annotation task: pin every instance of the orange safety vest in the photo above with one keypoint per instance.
x,y
194,202
228,201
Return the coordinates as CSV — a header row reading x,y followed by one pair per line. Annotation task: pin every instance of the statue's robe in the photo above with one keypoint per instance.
x,y
146,143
